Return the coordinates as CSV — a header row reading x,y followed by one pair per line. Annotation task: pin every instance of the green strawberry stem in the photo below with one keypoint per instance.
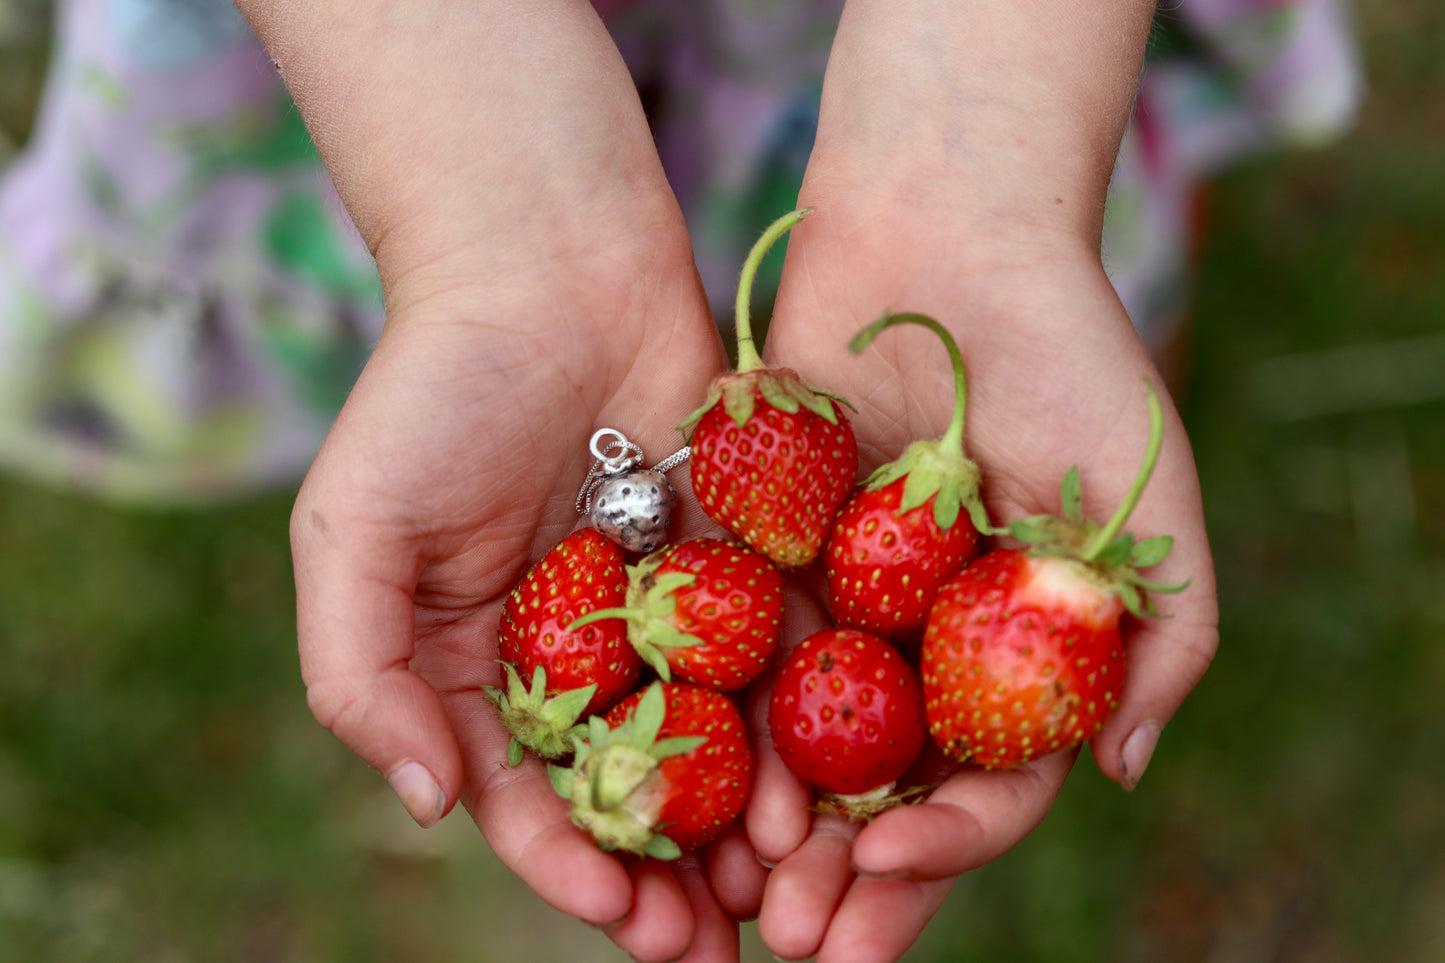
x,y
934,468
952,438
1107,534
748,357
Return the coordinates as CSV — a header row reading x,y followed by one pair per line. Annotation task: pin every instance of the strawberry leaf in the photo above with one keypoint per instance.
x,y
948,504
1035,530
1151,551
1071,497
815,400
1116,553
738,401
668,636
561,779
676,746
564,709
777,395
919,485
981,522
1134,602
653,656
597,731
660,847
650,714
1166,587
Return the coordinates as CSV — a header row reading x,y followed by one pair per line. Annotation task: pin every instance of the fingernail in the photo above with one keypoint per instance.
x,y
419,792
890,874
767,863
1138,750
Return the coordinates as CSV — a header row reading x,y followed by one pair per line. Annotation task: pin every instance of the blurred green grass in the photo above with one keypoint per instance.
x,y
164,794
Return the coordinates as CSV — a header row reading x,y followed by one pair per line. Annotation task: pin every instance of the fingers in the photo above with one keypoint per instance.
x,y
815,905
1166,660
737,876
866,895
526,824
355,629
661,924
715,939
880,919
804,889
777,816
1166,656
676,915
972,819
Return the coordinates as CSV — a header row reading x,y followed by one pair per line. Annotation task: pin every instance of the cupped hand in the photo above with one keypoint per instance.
x,y
454,466
539,285
1055,379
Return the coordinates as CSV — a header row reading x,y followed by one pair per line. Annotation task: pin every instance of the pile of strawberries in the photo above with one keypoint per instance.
x,y
625,674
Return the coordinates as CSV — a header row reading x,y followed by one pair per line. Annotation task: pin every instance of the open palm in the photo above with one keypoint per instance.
x,y
455,465
1055,380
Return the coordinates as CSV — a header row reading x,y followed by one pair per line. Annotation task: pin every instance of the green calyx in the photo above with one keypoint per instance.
x,y
1112,555
614,784
546,725
651,606
779,387
936,468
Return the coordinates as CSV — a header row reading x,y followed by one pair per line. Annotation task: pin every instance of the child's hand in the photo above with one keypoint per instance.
x,y
539,285
1055,379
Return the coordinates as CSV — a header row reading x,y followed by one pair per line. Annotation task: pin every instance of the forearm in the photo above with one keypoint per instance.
x,y
984,107
466,127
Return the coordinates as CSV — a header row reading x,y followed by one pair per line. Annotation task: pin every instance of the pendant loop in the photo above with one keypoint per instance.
x,y
632,504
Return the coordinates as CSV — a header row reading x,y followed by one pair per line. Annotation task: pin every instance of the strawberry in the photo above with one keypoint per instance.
x,y
1022,654
903,533
772,457
705,611
585,571
667,770
846,715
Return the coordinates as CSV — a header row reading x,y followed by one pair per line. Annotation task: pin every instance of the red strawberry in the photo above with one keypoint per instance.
x,y
902,535
666,771
1022,654
772,457
585,571
704,611
846,715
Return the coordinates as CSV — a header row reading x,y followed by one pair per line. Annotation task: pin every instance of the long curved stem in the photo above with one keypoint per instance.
x,y
1151,456
952,438
748,357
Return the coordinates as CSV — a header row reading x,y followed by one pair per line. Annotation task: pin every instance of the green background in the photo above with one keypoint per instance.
x,y
165,796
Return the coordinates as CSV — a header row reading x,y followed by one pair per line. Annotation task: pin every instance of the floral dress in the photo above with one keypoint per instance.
x,y
184,303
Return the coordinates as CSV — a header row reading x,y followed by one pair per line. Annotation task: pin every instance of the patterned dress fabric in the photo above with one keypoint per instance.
x,y
184,303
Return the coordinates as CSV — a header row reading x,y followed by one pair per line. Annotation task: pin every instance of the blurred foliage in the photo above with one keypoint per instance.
x,y
165,796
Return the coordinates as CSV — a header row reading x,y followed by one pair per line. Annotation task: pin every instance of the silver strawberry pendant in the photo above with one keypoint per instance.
x,y
629,504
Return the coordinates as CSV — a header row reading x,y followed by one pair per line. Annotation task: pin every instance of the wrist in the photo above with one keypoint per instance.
x,y
510,129
996,112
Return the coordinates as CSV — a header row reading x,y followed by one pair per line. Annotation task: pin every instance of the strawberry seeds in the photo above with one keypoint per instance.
x,y
621,671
